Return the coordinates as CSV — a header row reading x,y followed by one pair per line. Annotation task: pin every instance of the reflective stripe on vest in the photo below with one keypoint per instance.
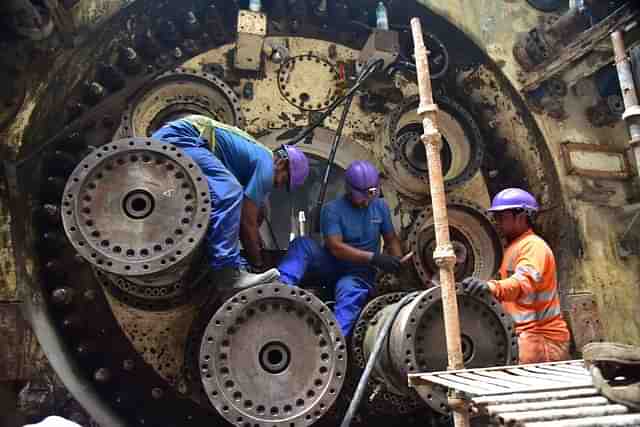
x,y
207,128
534,297
546,314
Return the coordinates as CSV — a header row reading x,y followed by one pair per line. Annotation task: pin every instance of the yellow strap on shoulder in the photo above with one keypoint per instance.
x,y
206,126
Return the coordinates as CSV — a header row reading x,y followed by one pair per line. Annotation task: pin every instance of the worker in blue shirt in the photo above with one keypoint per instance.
x,y
240,173
351,227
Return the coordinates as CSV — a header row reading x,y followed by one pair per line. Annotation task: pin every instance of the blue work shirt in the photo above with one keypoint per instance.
x,y
359,227
250,163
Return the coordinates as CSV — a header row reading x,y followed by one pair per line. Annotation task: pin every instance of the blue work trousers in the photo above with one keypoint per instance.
x,y
225,192
352,284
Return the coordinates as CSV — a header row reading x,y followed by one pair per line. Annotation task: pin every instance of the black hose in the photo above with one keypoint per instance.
x,y
380,339
371,67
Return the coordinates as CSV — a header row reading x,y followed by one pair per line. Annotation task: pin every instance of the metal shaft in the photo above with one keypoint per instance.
x,y
444,255
627,86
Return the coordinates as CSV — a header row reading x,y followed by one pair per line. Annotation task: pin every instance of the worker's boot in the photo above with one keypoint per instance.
x,y
231,280
615,369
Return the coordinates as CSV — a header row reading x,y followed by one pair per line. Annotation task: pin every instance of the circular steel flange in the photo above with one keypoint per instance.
x,y
385,401
308,82
405,156
417,338
475,241
178,93
272,356
152,296
136,207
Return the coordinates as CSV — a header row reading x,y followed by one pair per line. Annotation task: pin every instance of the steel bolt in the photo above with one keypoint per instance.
x,y
102,375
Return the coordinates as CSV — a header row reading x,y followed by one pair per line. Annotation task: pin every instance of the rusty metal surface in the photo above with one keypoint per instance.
x,y
177,93
383,399
308,82
475,241
416,342
136,207
404,156
529,139
583,316
583,44
272,355
19,351
579,159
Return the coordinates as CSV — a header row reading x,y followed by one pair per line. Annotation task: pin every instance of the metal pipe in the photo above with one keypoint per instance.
x,y
444,255
631,114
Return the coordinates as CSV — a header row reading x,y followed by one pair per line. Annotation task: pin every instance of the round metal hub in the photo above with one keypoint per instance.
x,y
475,241
136,207
138,204
405,158
179,93
417,339
308,82
414,156
385,401
272,356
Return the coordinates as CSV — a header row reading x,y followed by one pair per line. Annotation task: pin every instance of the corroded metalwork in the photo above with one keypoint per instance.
x,y
308,82
179,93
272,355
416,342
473,236
136,207
383,400
405,156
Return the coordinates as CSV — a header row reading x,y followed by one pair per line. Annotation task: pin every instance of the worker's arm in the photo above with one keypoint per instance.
x,y
249,234
345,252
392,244
528,271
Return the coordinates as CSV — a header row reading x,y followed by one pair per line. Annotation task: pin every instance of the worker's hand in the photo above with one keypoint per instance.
x,y
386,263
474,286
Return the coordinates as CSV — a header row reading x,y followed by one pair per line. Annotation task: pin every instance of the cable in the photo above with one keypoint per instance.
x,y
369,69
380,339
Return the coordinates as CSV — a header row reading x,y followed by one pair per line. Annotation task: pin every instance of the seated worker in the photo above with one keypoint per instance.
x,y
351,227
528,288
240,173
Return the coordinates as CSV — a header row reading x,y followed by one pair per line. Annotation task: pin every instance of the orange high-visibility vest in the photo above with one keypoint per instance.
x,y
528,288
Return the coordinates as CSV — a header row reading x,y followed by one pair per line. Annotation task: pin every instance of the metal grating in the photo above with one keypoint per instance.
x,y
556,394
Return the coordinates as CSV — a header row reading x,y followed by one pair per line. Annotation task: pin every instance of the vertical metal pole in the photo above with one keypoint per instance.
x,y
444,255
631,113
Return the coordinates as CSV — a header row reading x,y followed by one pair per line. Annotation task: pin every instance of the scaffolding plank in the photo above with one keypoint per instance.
x,y
627,420
510,418
485,387
553,404
535,397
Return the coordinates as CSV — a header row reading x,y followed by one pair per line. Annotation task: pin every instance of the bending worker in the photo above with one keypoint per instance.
x,y
528,288
351,227
240,173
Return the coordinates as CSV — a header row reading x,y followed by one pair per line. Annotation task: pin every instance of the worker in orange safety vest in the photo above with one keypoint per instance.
x,y
528,288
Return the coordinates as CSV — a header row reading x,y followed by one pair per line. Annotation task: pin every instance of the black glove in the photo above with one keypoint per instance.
x,y
386,263
474,286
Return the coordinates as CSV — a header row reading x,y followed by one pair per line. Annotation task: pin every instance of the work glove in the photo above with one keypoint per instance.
x,y
474,286
386,263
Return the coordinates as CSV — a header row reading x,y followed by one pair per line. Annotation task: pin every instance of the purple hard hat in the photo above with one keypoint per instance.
x,y
298,166
514,198
363,179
